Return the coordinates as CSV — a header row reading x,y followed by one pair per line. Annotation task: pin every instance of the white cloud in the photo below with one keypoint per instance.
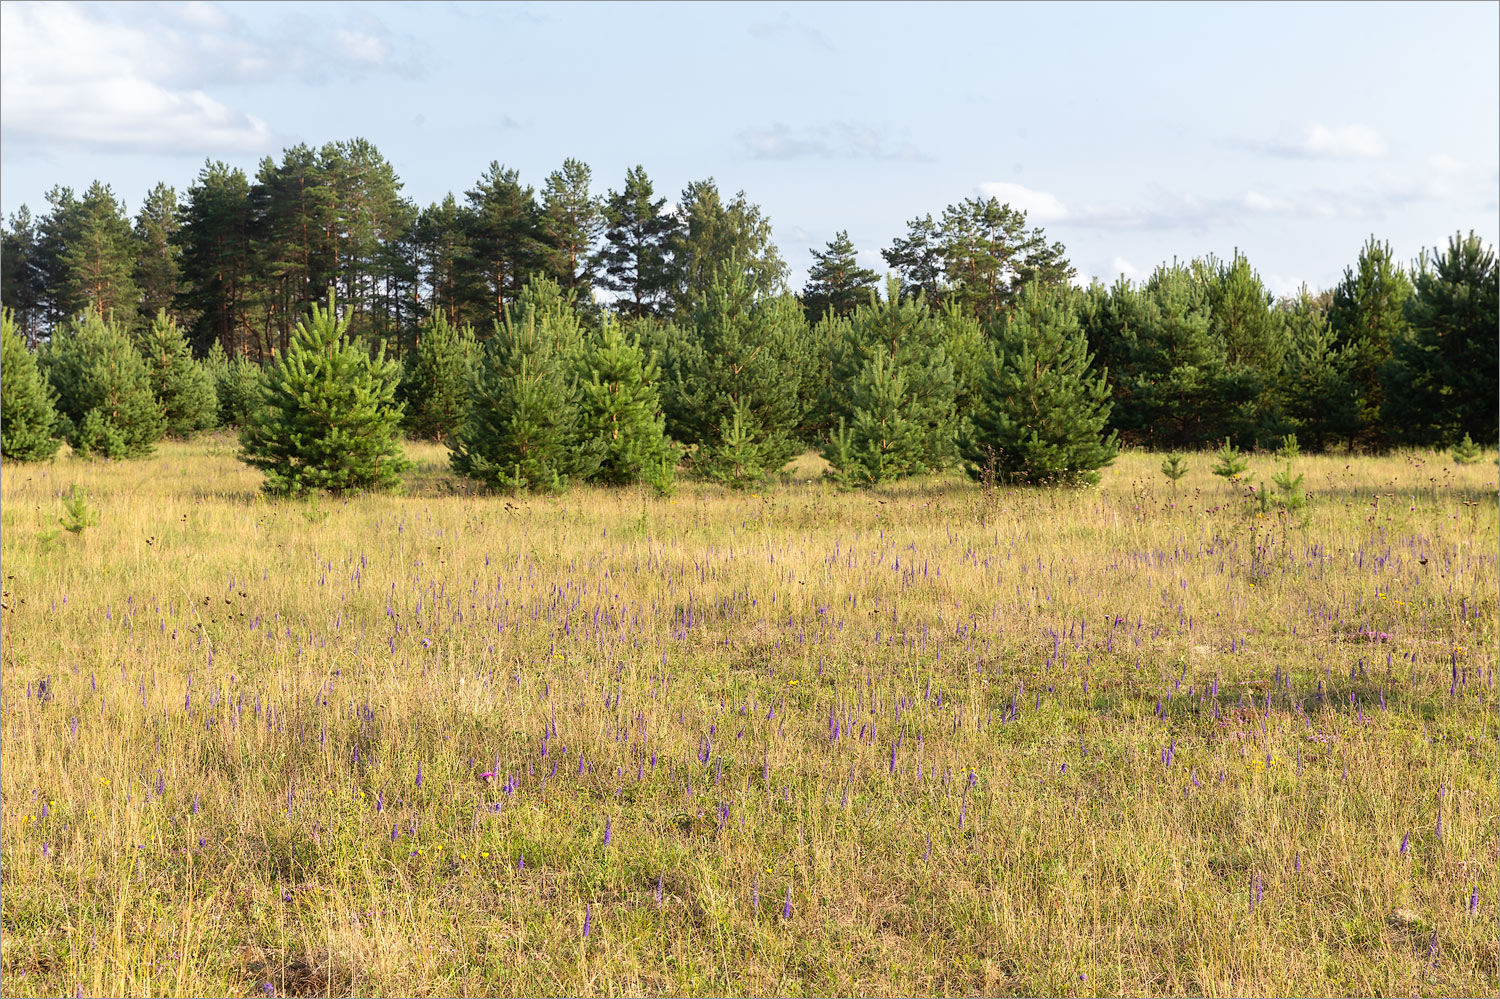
x,y
143,78
787,29
1343,141
69,78
362,47
1263,204
1443,163
1125,269
1332,142
1039,206
831,140
1282,286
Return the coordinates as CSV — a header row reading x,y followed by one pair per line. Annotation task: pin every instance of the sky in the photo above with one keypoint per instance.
x,y
1133,133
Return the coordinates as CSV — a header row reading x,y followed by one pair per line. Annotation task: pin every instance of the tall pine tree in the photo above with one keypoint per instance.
x,y
1367,315
571,222
715,234
636,256
158,261
835,282
98,258
1441,380
505,237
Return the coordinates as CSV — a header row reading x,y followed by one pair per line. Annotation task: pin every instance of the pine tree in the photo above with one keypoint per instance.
x,y
636,256
27,415
917,258
714,235
1441,382
884,442
522,428
445,266
104,391
1255,343
989,254
891,380
184,389
1167,390
1043,415
97,258
1317,395
746,358
292,222
1367,315
742,455
571,221
436,379
23,286
329,420
505,239
158,262
619,411
835,282
217,265
239,385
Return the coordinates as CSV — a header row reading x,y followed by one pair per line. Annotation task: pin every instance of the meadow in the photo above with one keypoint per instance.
x,y
932,739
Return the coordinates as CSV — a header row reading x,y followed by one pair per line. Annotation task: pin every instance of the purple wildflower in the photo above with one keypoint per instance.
x,y
608,834
588,920
786,910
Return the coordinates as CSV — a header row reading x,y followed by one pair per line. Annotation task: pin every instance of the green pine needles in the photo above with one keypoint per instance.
x,y
1042,415
619,412
104,390
329,420
1466,452
892,390
238,383
435,384
1174,468
1231,464
27,413
522,430
184,389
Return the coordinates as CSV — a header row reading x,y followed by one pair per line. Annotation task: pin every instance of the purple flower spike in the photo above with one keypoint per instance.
x,y
588,920
1473,901
608,833
1405,843
786,910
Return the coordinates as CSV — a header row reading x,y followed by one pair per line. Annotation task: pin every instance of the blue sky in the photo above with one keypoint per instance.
x,y
1133,133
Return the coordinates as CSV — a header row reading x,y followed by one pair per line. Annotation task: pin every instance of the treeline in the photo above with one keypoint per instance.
x,y
977,349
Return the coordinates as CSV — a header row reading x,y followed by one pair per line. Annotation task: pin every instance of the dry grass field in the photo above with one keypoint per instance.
x,y
927,740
